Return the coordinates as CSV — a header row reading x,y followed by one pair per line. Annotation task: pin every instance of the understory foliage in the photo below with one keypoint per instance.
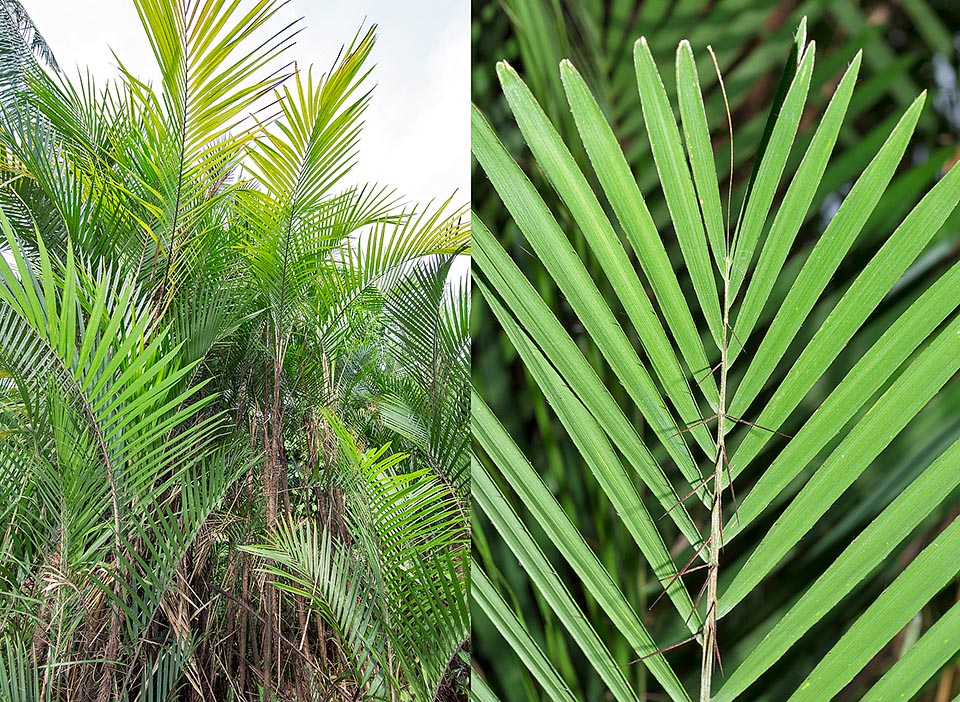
x,y
233,383
713,380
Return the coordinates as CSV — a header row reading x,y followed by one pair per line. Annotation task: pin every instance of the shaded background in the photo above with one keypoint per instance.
x,y
909,46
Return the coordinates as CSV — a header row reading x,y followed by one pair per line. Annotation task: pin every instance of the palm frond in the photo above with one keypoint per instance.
x,y
397,595
812,443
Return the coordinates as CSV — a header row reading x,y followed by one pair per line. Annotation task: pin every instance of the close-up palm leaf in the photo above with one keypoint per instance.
x,y
717,378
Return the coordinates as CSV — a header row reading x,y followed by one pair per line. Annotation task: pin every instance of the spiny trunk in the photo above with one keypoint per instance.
x,y
113,649
244,615
269,593
274,468
303,615
244,623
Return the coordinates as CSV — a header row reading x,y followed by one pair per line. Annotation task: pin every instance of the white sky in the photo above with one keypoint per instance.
x,y
416,136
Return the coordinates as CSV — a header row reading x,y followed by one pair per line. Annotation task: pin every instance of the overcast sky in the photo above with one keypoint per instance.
x,y
416,135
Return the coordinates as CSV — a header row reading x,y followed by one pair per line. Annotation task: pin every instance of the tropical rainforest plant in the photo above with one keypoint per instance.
x,y
233,383
730,363
396,594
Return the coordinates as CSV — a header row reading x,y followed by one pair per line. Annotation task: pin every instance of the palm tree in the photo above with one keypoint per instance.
x,y
393,594
191,276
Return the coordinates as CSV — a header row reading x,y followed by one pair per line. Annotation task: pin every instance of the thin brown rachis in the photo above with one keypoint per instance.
x,y
710,647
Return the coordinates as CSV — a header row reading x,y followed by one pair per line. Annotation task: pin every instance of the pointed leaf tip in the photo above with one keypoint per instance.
x,y
568,71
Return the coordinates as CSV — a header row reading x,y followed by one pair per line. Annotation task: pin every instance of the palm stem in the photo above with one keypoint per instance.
x,y
709,640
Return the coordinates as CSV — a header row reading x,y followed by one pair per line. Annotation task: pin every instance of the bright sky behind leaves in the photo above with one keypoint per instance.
x,y
416,136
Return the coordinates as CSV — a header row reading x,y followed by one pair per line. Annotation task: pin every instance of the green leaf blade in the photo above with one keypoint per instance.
x,y
792,212
861,298
896,345
696,131
770,171
485,595
574,190
937,647
825,258
678,187
557,254
546,331
856,562
907,396
574,549
624,195
600,457
928,573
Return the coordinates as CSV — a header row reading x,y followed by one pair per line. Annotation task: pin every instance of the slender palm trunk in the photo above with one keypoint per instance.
x,y
273,468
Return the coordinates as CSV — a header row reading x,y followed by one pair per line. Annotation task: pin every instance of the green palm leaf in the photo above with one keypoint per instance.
x,y
395,591
121,501
312,564
900,364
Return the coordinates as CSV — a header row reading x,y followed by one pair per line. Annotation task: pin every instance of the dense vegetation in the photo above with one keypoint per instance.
x,y
233,384
735,367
